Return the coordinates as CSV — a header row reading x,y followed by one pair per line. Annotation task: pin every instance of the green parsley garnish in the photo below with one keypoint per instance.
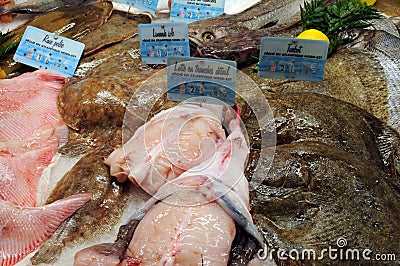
x,y
336,18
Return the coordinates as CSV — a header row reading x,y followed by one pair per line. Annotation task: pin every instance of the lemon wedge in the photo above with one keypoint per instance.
x,y
3,74
369,2
313,34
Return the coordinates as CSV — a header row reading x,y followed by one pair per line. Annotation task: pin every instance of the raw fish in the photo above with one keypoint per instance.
x,y
29,105
23,229
89,174
20,173
194,224
170,143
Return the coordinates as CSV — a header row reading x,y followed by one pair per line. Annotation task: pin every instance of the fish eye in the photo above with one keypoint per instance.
x,y
208,36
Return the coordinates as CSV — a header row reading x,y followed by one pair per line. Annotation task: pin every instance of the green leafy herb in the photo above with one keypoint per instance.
x,y
5,49
336,18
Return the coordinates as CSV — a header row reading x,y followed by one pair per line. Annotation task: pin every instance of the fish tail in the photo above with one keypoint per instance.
x,y
25,228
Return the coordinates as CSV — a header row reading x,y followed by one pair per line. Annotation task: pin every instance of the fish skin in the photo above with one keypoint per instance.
x,y
353,75
94,106
320,184
23,229
20,174
90,174
107,254
267,13
30,131
40,6
118,27
386,46
243,47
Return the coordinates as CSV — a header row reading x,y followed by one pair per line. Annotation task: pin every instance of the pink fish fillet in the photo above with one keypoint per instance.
x,y
173,232
29,104
23,229
170,143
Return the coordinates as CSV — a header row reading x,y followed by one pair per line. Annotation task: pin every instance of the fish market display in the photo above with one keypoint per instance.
x,y
69,21
23,229
39,6
273,14
196,225
322,187
154,155
90,174
30,131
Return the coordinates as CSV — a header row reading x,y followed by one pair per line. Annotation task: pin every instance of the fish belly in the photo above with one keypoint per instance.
x,y
178,235
166,146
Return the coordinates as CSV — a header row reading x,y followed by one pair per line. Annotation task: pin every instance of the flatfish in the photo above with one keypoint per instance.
x,y
333,182
109,199
386,46
352,75
73,22
118,27
94,106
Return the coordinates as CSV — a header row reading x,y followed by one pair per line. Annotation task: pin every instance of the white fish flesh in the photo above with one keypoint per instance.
x,y
170,143
194,225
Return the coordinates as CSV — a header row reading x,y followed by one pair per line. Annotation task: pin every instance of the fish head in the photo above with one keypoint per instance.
x,y
242,52
207,30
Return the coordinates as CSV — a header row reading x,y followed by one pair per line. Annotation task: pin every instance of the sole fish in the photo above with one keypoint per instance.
x,y
23,229
89,174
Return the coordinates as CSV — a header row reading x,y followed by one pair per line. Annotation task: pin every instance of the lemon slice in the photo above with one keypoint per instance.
x,y
3,74
369,2
313,34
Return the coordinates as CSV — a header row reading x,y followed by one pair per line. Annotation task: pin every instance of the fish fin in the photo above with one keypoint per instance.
x,y
23,229
239,212
388,142
232,204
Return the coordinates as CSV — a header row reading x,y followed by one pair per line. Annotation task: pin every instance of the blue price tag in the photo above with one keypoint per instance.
x,y
193,10
45,50
293,59
201,80
161,40
147,5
